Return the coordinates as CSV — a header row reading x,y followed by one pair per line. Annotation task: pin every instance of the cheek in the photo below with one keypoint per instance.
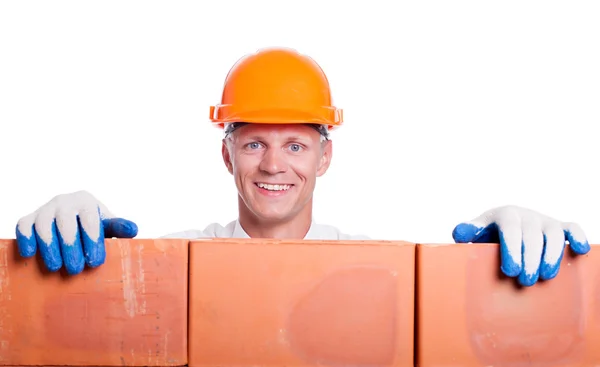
x,y
245,165
305,168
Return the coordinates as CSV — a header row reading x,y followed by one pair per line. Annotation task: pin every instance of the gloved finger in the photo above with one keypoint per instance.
x,y
92,236
70,241
554,239
577,239
47,239
532,249
479,229
26,239
511,243
119,228
468,232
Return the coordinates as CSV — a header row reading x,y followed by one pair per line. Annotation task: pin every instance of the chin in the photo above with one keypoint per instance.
x,y
270,211
272,216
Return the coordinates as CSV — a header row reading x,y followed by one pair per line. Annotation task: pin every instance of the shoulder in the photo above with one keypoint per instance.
x,y
328,232
213,230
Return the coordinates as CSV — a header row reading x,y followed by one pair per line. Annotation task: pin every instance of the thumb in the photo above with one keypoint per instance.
x,y
482,229
119,228
465,232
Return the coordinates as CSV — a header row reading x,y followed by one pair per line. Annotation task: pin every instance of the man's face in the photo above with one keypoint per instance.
x,y
275,167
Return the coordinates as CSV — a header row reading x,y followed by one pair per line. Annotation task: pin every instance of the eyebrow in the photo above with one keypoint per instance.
x,y
294,137
251,138
299,138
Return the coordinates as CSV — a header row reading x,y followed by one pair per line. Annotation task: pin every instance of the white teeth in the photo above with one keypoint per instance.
x,y
274,187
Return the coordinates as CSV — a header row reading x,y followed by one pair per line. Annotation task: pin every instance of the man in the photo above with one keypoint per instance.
x,y
276,113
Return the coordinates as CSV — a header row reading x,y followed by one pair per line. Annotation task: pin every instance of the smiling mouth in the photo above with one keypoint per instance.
x,y
273,187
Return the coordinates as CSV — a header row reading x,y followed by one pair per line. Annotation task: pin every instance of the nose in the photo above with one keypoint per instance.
x,y
273,161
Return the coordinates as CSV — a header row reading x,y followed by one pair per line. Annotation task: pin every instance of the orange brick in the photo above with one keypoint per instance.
x,y
130,311
301,303
469,314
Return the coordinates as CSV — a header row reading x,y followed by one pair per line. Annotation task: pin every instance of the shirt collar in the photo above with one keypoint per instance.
x,y
238,231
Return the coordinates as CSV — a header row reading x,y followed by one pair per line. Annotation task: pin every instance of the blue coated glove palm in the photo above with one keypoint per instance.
x,y
70,230
531,244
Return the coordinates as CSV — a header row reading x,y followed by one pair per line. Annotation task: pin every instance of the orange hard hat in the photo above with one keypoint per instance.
x,y
276,86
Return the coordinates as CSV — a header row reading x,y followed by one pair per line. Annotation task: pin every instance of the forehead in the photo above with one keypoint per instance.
x,y
277,131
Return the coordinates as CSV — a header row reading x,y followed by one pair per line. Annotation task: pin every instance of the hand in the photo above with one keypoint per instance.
x,y
531,244
70,230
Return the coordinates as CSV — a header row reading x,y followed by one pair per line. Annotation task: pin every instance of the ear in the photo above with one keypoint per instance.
x,y
325,159
227,156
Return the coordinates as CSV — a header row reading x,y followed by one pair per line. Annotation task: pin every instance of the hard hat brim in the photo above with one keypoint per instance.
x,y
330,116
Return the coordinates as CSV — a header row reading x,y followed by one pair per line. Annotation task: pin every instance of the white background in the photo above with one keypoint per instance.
x,y
451,108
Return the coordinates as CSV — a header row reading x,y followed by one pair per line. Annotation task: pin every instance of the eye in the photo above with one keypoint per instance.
x,y
295,147
253,145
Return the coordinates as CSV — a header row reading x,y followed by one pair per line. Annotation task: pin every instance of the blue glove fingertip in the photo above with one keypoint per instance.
x,y
27,246
94,251
465,232
119,228
50,252
528,280
549,271
508,265
580,248
72,255
73,259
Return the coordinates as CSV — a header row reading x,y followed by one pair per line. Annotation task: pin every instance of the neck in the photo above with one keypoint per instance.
x,y
294,227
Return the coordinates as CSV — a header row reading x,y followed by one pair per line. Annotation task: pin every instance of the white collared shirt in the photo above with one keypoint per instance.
x,y
235,230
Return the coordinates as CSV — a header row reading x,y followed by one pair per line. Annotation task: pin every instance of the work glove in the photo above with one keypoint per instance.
x,y
69,230
531,244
